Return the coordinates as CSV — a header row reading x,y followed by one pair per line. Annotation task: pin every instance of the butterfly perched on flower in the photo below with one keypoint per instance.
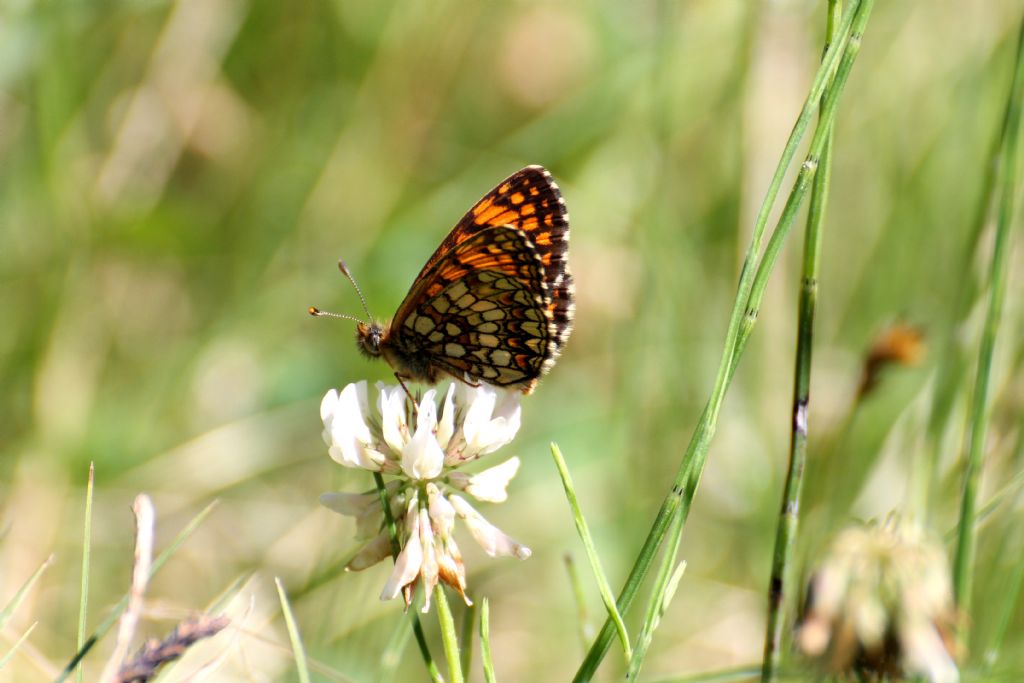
x,y
494,304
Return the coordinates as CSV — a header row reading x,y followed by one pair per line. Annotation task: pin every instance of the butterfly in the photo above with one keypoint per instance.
x,y
495,302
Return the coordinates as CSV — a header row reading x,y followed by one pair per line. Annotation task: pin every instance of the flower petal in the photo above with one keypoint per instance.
x,y
350,437
328,405
422,457
409,561
451,570
442,514
391,403
429,567
492,539
370,554
492,419
446,425
489,485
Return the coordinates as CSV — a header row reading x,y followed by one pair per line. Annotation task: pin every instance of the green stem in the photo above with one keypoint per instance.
x,y
449,638
681,495
396,548
963,568
789,515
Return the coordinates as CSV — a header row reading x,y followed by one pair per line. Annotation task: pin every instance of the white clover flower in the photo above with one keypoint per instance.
x,y
421,447
881,603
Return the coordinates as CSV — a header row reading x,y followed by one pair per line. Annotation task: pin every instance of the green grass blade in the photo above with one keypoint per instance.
x,y
466,639
15,602
298,651
115,614
744,315
83,604
582,619
963,566
603,586
485,642
14,648
391,657
661,597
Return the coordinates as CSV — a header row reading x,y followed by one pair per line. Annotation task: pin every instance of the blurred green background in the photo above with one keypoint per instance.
x,y
177,180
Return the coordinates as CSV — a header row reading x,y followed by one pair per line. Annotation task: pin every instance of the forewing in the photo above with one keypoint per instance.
x,y
530,201
481,311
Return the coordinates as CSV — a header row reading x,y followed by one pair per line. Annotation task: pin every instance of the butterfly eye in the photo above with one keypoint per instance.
x,y
368,338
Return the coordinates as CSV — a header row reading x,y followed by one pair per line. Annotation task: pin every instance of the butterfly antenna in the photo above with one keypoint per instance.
x,y
345,271
317,313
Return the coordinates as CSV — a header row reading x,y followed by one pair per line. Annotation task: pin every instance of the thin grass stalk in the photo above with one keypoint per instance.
x,y
485,642
789,514
298,650
1012,587
963,567
83,602
677,501
585,630
466,639
665,585
1008,605
392,655
14,648
951,364
115,614
396,548
695,466
603,587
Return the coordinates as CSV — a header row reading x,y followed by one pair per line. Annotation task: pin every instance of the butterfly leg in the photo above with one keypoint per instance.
x,y
412,399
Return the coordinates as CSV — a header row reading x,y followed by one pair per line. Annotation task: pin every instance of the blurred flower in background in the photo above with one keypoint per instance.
x,y
899,344
881,603
422,446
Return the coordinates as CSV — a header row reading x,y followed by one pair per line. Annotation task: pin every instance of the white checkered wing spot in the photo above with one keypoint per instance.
x,y
481,312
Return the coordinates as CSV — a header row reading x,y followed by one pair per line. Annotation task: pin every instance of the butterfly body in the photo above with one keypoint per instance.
x,y
495,302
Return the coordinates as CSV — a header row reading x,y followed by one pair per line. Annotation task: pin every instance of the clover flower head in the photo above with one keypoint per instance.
x,y
880,604
421,447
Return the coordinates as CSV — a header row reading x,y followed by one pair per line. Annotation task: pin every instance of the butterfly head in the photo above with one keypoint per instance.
x,y
369,338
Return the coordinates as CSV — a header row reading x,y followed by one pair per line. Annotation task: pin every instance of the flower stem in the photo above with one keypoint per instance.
x,y
449,638
396,548
747,302
789,515
1007,158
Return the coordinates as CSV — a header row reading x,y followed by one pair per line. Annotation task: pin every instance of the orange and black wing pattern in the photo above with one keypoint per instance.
x,y
480,312
531,201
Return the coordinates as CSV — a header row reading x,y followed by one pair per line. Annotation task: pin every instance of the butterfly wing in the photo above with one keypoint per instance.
x,y
481,311
530,201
